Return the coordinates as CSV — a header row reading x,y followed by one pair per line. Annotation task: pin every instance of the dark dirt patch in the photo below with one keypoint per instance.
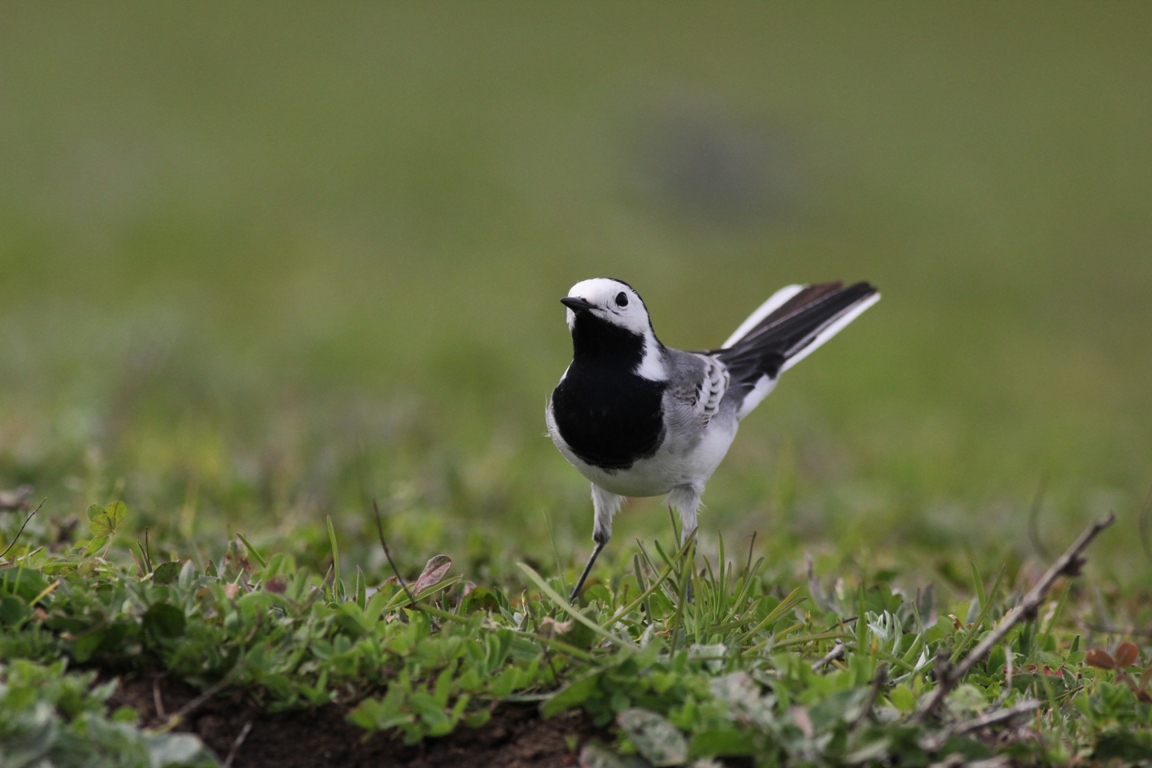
x,y
515,737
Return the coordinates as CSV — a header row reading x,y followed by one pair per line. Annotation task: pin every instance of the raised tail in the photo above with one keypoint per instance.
x,y
786,329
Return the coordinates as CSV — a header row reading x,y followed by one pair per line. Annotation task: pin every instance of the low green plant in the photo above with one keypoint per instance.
x,y
52,718
682,662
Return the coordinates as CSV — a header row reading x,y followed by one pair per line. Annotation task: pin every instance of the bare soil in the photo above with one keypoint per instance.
x,y
515,737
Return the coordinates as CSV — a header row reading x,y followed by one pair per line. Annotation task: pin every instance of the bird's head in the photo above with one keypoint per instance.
x,y
613,301
609,321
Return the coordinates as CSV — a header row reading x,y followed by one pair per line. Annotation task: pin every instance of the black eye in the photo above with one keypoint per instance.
x,y
621,299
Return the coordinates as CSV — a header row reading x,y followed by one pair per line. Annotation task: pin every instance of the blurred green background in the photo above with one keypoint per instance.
x,y
261,263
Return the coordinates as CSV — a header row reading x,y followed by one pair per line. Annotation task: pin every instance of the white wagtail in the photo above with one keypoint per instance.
x,y
638,418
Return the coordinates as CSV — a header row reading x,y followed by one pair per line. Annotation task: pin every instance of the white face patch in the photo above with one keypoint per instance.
x,y
617,303
652,366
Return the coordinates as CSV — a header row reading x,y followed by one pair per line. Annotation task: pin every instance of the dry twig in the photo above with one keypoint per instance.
x,y
22,526
387,554
1068,564
878,684
158,700
177,717
998,716
236,744
935,741
836,653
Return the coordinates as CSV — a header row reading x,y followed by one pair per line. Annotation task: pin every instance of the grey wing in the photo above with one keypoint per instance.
x,y
697,384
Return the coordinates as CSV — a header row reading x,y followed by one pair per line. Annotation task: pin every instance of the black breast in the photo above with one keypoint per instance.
x,y
609,416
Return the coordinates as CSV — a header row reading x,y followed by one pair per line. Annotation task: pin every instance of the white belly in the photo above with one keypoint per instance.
x,y
673,464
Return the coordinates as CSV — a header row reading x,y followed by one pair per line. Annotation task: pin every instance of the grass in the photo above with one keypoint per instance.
x,y
261,269
787,673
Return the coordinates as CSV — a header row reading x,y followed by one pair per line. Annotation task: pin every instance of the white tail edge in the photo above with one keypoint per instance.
x,y
830,330
774,303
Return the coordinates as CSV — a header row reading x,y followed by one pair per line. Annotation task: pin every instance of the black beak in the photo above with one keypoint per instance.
x,y
575,303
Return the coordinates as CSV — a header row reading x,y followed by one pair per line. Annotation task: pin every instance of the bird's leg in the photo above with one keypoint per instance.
x,y
604,505
587,568
685,499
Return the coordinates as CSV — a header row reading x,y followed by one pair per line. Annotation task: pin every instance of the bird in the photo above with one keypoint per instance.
x,y
638,418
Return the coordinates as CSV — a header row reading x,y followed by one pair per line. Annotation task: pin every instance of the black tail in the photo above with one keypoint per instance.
x,y
792,331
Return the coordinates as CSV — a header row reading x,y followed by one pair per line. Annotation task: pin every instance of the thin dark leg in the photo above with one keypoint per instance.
x,y
587,569
690,556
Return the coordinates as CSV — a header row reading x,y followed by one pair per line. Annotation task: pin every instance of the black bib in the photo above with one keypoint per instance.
x,y
608,415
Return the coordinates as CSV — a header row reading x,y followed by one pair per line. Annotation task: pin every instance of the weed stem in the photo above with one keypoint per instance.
x,y
1068,564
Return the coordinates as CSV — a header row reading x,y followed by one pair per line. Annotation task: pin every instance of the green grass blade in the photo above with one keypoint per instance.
x,y
252,551
793,599
565,606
